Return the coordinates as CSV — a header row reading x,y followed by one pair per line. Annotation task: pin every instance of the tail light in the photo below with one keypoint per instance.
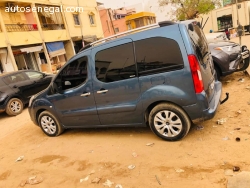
x,y
196,73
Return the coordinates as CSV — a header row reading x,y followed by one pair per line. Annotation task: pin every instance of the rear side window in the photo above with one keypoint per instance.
x,y
157,54
115,64
15,78
199,40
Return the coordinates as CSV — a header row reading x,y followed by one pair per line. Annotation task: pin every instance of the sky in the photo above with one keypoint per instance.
x,y
120,3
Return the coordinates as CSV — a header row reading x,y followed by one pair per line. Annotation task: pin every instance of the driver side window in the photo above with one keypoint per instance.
x,y
73,75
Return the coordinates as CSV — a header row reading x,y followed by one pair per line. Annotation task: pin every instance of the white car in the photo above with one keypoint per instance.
x,y
216,36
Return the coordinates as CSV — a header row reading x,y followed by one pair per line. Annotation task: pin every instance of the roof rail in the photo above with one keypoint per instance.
x,y
166,23
125,33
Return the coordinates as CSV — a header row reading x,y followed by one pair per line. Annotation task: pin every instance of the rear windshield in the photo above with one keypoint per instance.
x,y
199,40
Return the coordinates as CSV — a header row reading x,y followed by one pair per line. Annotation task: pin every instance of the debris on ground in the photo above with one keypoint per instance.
x,y
96,180
236,168
248,87
84,179
199,127
241,180
32,181
118,186
179,170
221,121
237,139
158,180
20,158
239,111
241,80
149,144
108,183
134,154
131,167
92,172
225,138
237,129
228,81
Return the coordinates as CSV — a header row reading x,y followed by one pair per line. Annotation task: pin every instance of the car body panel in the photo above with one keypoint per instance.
x,y
126,102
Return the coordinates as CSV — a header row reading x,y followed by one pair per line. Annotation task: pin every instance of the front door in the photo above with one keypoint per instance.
x,y
75,103
115,84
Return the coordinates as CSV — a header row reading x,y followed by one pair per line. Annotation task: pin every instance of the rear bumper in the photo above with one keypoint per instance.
x,y
202,110
214,103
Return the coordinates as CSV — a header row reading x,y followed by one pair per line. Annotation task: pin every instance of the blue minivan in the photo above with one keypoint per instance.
x,y
162,76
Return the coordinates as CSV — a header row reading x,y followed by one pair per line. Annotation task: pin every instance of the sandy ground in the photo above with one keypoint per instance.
x,y
202,156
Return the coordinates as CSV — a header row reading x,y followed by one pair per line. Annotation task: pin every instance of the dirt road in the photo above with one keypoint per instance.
x,y
199,160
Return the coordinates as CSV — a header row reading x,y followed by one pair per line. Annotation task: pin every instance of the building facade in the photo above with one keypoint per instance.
x,y
226,17
140,19
44,40
113,21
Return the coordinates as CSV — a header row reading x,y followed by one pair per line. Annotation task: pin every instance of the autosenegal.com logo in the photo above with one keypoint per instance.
x,y
47,9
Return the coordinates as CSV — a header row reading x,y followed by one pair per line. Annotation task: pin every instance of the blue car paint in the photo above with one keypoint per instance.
x,y
127,101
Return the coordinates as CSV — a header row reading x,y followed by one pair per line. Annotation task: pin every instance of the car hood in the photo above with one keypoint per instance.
x,y
228,47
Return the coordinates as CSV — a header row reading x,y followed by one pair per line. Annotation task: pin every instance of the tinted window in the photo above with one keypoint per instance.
x,y
115,63
34,75
157,54
199,41
73,75
15,78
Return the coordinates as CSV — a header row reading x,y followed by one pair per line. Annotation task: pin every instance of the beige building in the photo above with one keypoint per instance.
x,y
46,38
226,17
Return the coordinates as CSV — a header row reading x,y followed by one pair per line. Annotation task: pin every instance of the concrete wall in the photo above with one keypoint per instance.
x,y
7,65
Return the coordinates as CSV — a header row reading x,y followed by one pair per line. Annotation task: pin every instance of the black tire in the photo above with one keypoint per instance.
x,y
14,107
46,119
178,115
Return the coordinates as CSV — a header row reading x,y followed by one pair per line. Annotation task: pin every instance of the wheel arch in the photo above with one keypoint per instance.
x,y
152,105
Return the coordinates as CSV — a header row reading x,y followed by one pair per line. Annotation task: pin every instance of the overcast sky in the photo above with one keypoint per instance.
x,y
120,3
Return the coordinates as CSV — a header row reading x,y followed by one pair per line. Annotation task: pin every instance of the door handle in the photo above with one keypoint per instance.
x,y
85,94
14,86
102,91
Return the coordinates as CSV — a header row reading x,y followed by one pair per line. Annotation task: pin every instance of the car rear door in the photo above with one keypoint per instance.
x,y
204,57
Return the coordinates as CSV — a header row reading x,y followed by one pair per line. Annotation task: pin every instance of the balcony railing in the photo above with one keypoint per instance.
x,y
46,26
20,27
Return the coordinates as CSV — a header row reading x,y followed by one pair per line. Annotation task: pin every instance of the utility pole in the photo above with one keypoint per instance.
x,y
111,20
238,22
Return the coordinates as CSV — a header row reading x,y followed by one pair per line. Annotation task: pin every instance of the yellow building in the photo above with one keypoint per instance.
x,y
43,34
140,19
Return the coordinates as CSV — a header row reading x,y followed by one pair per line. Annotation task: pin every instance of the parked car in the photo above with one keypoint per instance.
x,y
228,57
216,36
171,84
16,88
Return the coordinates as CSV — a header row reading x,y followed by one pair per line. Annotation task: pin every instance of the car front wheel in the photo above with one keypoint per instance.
x,y
169,122
49,124
14,107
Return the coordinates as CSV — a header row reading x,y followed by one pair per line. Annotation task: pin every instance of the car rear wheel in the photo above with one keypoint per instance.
x,y
14,107
169,122
49,124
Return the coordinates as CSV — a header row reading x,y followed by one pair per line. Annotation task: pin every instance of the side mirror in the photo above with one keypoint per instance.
x,y
44,75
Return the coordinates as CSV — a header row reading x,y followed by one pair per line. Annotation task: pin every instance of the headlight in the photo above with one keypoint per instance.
x,y
31,100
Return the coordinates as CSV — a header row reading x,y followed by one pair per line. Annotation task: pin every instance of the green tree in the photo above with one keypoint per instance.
x,y
190,9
